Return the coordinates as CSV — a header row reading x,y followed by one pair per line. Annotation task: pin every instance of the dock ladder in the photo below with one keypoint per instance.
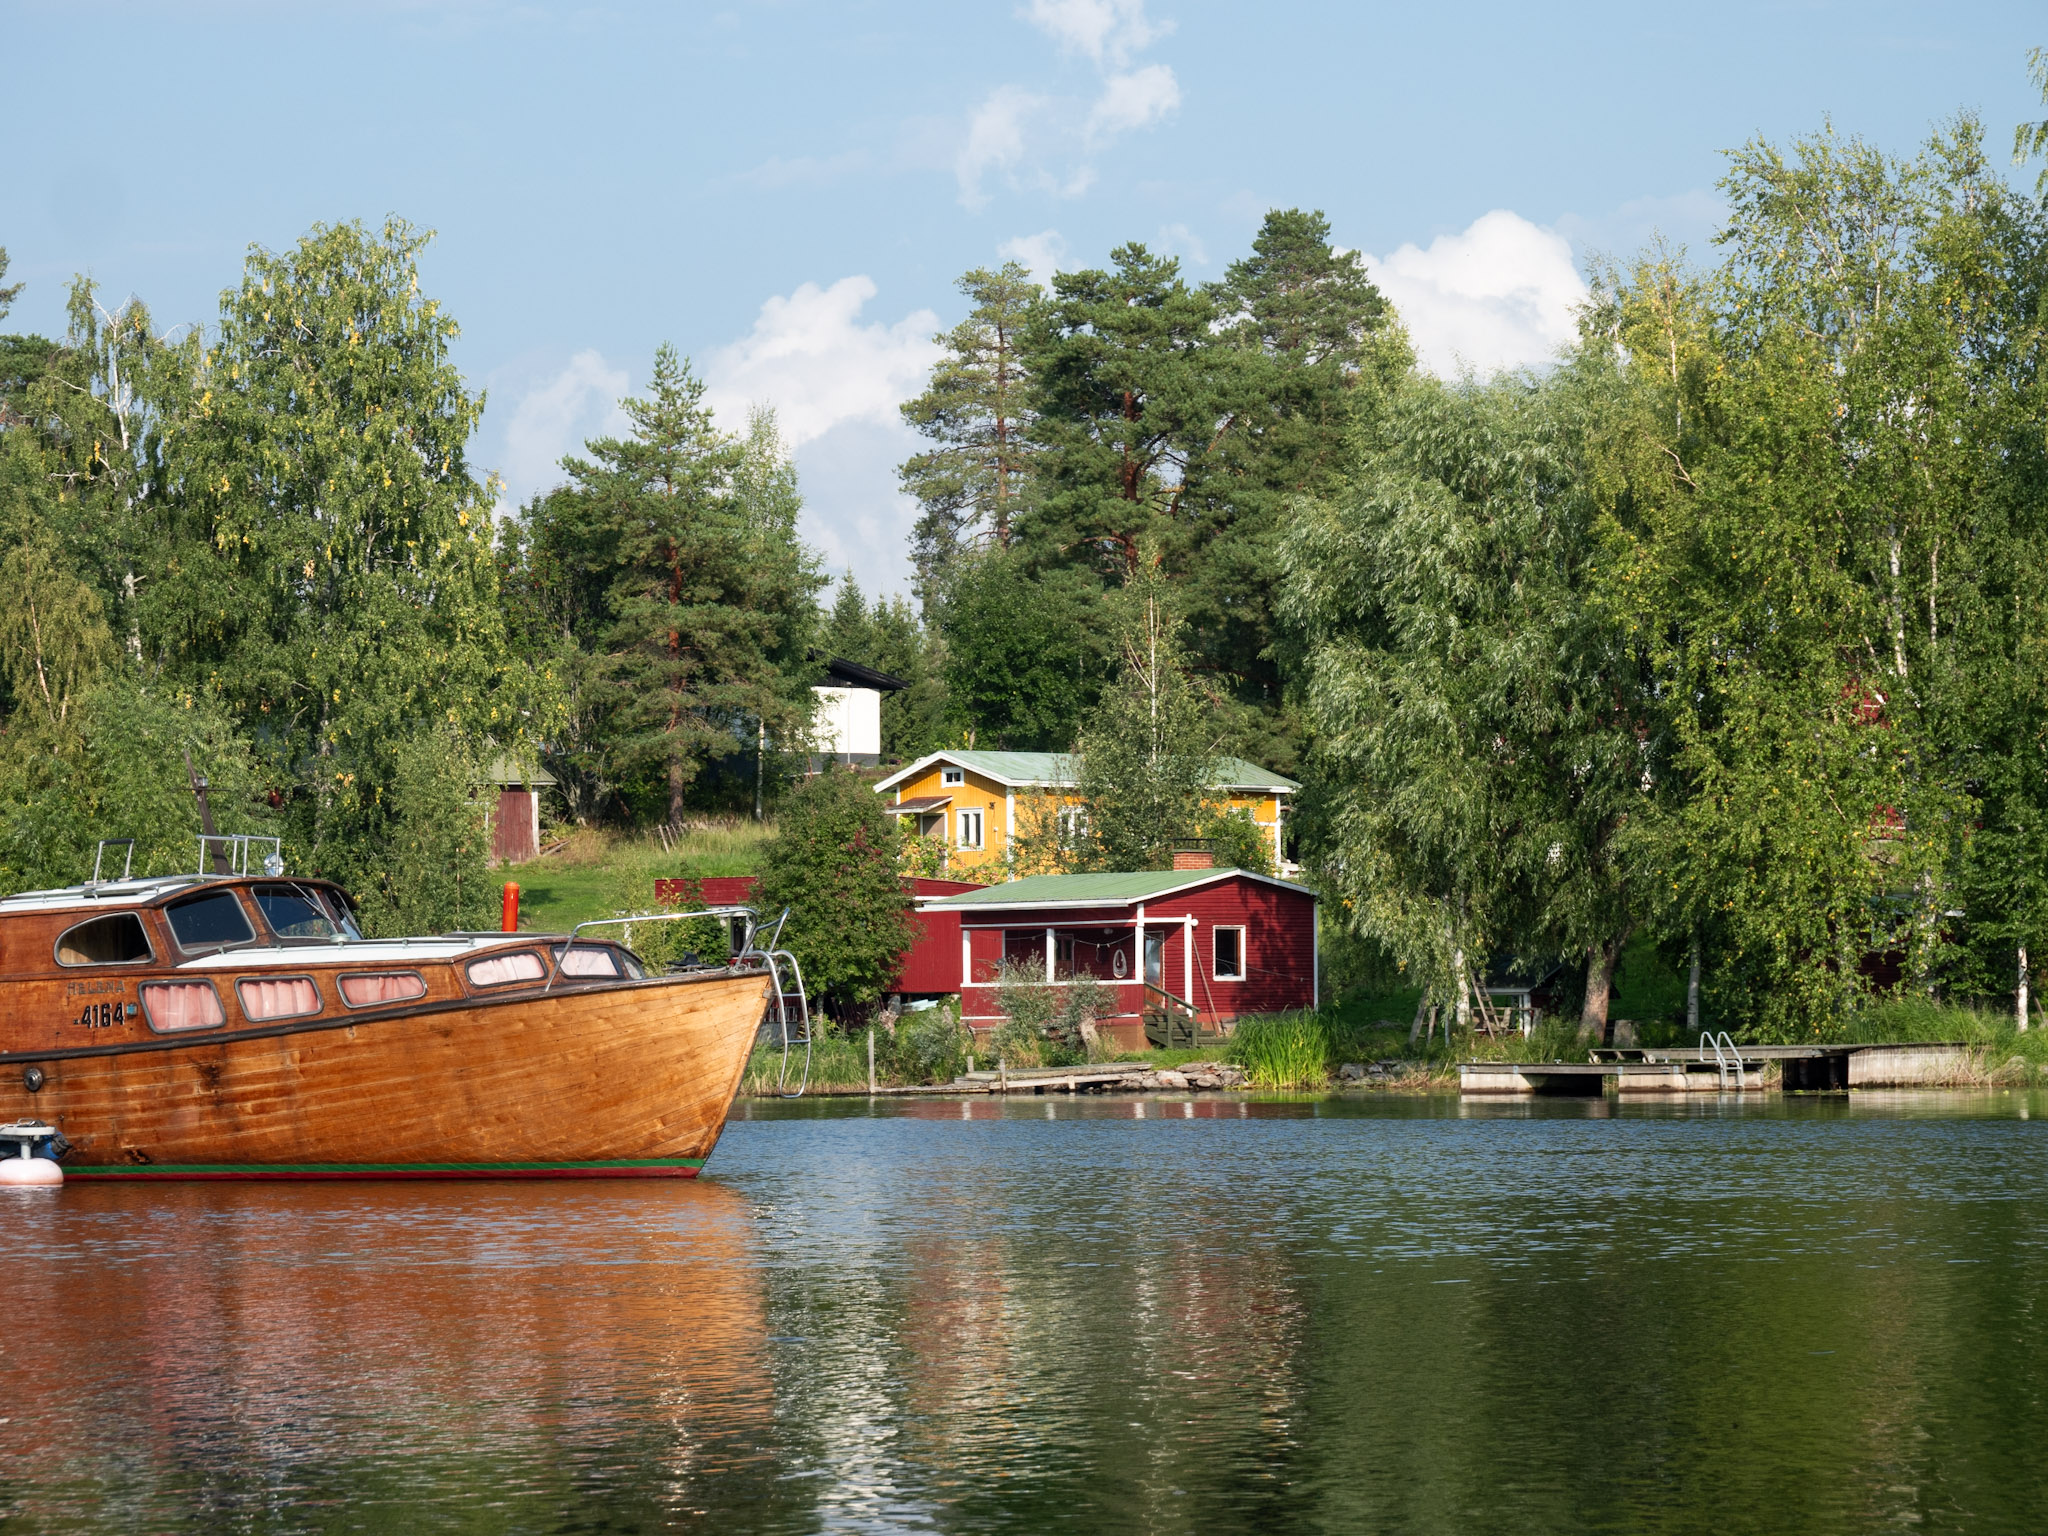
x,y
1724,1059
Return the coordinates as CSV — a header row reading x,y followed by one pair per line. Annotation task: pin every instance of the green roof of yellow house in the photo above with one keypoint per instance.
x,y
1055,770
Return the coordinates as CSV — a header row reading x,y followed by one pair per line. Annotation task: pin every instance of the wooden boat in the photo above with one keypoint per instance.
x,y
239,1026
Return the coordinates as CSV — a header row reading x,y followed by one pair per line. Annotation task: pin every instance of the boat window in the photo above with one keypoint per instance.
x,y
339,911
499,970
214,920
382,987
589,962
289,997
116,939
174,1005
294,912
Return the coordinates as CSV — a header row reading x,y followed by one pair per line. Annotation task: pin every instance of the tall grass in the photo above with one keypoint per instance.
x,y
2006,1052
1285,1050
597,873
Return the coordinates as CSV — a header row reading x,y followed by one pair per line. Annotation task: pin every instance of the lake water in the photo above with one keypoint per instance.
x,y
1399,1315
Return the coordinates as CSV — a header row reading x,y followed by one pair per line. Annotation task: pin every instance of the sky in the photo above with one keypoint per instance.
x,y
787,191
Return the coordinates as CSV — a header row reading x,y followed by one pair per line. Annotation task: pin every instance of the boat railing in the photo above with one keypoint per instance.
x,y
781,965
233,848
100,853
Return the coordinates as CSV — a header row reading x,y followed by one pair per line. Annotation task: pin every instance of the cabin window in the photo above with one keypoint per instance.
x,y
970,829
116,939
1229,953
952,775
1073,825
367,991
294,912
213,921
502,970
176,1005
289,997
589,962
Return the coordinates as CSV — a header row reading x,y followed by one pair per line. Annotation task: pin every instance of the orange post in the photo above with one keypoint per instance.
x,y
510,919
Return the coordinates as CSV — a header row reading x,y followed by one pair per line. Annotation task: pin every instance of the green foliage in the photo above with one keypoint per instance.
x,y
833,863
1285,1050
115,767
1023,654
1146,752
428,872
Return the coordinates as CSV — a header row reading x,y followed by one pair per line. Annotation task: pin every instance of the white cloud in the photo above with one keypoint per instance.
x,y
995,139
1046,142
1042,253
1181,240
1499,295
1110,30
811,358
556,417
1134,100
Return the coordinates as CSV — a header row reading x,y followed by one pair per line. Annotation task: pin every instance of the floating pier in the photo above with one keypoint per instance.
x,y
1732,1069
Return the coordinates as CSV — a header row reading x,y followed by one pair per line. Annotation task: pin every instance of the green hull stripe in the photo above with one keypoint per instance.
x,y
145,1170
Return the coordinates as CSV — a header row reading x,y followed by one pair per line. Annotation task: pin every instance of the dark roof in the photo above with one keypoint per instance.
x,y
919,805
851,674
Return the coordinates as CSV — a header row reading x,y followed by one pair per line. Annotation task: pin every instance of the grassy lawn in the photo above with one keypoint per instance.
x,y
600,874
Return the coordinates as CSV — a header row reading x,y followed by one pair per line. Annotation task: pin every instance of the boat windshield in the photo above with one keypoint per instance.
x,y
300,912
213,921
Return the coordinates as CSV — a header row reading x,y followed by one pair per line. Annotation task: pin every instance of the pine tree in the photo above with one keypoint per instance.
x,y
973,483
678,573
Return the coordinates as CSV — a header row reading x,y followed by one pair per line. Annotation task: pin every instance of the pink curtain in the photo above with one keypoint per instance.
x,y
279,999
589,962
386,987
182,1004
499,969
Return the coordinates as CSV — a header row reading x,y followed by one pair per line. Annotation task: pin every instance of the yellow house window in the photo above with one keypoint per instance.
x,y
970,829
952,775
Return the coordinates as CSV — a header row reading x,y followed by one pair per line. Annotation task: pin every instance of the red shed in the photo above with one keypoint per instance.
x,y
1213,944
930,966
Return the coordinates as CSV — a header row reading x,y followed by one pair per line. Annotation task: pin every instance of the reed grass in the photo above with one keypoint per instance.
x,y
1286,1050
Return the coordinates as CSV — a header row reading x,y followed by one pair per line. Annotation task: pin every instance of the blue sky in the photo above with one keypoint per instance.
x,y
787,190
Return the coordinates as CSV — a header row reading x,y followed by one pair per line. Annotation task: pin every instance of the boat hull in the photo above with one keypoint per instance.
x,y
621,1081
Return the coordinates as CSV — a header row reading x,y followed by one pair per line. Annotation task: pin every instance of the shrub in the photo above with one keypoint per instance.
x,y
931,1045
1050,1026
833,864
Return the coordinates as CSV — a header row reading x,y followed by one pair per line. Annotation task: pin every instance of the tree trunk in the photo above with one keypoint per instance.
x,y
1692,994
677,780
1421,1012
1600,960
2023,998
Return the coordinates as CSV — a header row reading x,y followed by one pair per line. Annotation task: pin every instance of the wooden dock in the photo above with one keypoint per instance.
x,y
1802,1068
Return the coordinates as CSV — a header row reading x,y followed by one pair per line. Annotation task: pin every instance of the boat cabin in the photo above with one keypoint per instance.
x,y
103,965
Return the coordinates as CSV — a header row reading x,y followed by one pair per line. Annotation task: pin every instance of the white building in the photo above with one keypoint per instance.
x,y
848,722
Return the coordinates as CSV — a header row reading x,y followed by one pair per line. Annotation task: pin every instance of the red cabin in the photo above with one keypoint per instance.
x,y
1194,948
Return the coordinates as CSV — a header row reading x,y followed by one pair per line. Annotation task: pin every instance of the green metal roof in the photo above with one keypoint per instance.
x,y
1057,768
1114,889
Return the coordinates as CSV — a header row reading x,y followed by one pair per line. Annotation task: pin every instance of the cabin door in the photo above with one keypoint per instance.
x,y
1155,959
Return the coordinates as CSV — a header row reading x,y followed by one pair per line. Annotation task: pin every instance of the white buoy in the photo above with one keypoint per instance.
x,y
21,1168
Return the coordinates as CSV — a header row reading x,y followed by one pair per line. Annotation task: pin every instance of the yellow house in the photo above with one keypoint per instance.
x,y
969,800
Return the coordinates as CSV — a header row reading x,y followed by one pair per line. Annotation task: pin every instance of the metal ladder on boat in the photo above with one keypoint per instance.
x,y
1732,1057
775,956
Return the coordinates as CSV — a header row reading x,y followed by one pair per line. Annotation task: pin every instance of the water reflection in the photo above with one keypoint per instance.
x,y
1209,1314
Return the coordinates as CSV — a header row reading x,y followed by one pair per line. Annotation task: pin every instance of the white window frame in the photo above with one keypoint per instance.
x,y
1073,824
952,776
1243,959
978,820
